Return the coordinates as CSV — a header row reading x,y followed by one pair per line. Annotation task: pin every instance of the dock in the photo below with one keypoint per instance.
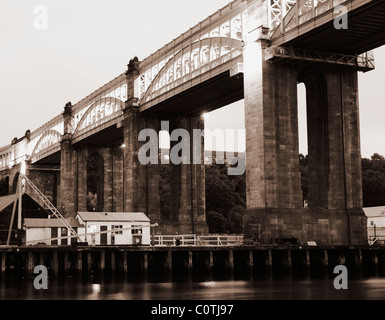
x,y
173,262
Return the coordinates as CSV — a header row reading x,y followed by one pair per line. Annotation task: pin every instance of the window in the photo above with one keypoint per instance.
x,y
91,228
117,227
137,230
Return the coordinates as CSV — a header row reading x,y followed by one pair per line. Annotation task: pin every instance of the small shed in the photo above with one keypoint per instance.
x,y
135,225
39,230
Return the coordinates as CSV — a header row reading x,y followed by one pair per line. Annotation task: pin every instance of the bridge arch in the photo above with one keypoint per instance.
x,y
98,113
189,62
48,139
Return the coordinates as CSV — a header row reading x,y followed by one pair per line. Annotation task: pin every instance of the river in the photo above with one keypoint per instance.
x,y
314,289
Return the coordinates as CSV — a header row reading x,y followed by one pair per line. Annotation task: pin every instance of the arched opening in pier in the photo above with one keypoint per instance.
x,y
225,146
95,182
313,86
302,140
15,181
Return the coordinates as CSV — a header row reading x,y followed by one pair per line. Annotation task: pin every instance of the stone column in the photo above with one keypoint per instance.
x,y
134,174
188,206
68,169
272,151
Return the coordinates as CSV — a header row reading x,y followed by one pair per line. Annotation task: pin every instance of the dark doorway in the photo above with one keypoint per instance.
x,y
54,235
103,236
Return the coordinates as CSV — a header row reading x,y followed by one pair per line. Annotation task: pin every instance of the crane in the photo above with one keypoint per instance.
x,y
54,212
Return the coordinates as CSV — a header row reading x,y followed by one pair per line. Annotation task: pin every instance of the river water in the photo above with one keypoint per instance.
x,y
314,289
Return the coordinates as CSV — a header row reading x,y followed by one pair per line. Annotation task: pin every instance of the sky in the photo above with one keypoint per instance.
x,y
88,43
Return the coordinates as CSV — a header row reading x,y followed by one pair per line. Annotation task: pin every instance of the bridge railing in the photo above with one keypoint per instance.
x,y
198,240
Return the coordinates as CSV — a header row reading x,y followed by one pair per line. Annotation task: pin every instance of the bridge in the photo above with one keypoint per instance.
x,y
86,158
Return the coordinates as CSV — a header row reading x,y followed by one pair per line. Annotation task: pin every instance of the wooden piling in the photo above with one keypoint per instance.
x,y
3,264
375,263
66,264
251,263
289,265
102,262
169,263
89,263
190,261
79,264
211,261
231,262
113,263
145,265
30,265
307,263
358,263
325,263
41,258
54,264
125,264
269,263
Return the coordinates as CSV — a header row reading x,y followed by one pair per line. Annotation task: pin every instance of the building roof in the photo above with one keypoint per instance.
x,y
114,216
50,223
375,212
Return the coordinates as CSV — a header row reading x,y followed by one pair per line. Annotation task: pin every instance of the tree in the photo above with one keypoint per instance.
x,y
225,199
373,181
217,222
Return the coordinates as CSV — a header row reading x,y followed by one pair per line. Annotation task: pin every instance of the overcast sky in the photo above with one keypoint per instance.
x,y
88,43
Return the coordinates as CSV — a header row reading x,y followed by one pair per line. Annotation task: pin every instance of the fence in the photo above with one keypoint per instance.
x,y
197,240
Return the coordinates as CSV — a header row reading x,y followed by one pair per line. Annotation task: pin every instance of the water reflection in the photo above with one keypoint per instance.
x,y
367,289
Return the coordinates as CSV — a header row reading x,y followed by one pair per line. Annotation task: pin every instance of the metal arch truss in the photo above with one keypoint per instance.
x,y
302,11
363,62
277,11
209,45
190,62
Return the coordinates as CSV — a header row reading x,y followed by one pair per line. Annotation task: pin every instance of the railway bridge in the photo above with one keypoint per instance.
x,y
86,158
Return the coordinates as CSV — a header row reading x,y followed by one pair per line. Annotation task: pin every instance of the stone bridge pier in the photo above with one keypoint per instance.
x,y
274,198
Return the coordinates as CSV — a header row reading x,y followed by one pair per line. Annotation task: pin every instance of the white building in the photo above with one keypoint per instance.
x,y
376,222
41,230
135,225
